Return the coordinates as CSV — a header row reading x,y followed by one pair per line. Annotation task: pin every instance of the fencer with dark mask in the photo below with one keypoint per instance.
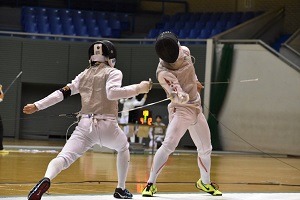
x,y
176,74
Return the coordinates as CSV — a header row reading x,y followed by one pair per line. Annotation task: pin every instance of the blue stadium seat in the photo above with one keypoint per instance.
x,y
179,25
102,23
56,29
43,28
64,13
28,19
31,28
221,25
54,20
115,26
204,34
174,30
169,25
125,22
51,12
112,17
100,15
230,24
215,31
27,10
210,25
94,31
90,23
42,19
194,33
184,33
189,25
153,33
200,25
80,30
88,15
40,11
106,32
68,29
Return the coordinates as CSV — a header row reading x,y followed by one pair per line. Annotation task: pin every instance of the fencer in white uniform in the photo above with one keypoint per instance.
x,y
176,74
129,104
100,89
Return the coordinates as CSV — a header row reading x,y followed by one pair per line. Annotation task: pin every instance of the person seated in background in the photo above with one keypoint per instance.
x,y
157,133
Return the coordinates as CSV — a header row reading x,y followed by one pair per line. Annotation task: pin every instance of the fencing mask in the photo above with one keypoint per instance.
x,y
102,51
167,47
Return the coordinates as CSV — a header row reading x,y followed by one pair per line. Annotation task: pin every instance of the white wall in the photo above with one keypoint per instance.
x,y
265,113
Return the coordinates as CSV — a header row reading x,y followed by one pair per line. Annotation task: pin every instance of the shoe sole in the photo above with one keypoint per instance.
x,y
42,188
118,196
147,195
212,192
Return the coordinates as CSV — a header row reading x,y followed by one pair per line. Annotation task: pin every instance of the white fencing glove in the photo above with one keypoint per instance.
x,y
179,97
144,87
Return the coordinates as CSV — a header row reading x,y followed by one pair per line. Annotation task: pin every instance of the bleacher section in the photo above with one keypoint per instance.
x,y
74,22
111,25
200,25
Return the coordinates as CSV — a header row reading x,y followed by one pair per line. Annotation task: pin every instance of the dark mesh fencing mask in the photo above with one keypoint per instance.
x,y
167,47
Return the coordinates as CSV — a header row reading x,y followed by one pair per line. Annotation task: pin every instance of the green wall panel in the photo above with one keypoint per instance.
x,y
45,61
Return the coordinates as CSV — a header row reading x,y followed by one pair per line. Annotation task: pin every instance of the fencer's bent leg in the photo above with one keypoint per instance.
x,y
75,147
116,139
200,135
123,159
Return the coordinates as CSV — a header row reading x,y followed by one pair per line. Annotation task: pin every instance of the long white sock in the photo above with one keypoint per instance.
x,y
54,167
159,161
123,159
204,163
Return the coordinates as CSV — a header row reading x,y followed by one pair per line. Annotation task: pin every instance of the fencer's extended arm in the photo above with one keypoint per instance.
x,y
55,97
172,87
114,90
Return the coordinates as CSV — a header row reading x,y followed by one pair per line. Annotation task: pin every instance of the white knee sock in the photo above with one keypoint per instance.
x,y
123,159
54,167
159,161
204,162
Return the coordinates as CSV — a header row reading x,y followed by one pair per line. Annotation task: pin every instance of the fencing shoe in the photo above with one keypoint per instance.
x,y
149,190
122,194
37,191
209,188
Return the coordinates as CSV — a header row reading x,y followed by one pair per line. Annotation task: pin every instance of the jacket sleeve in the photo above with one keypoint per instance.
x,y
57,96
114,89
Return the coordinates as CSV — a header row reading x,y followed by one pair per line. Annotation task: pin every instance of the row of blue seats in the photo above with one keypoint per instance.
x,y
200,25
210,16
73,22
124,18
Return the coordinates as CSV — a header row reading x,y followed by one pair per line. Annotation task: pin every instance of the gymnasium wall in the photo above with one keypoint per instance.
x,y
262,115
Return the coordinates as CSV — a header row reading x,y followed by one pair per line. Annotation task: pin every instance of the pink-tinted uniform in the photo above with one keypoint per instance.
x,y
185,113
